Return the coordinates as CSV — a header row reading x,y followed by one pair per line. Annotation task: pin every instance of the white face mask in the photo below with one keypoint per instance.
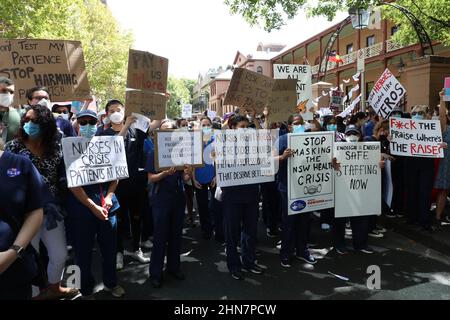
x,y
65,116
117,117
106,121
45,103
6,99
352,138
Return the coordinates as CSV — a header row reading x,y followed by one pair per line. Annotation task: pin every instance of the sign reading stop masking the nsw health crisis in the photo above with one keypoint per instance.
x,y
358,181
416,138
310,175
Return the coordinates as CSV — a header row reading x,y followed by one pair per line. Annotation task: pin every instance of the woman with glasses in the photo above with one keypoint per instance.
x,y
39,140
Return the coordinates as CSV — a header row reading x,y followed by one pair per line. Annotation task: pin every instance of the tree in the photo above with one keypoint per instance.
x,y
105,45
179,95
272,14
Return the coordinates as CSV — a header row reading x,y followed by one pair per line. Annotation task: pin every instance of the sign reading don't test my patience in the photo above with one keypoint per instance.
x,y
96,160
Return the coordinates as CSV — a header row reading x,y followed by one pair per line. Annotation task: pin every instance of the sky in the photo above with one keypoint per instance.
x,y
196,35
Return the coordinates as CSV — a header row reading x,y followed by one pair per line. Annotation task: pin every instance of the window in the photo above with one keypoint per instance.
x,y
349,48
259,69
370,41
369,87
394,29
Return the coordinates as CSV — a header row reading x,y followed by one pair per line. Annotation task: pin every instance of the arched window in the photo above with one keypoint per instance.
x,y
259,69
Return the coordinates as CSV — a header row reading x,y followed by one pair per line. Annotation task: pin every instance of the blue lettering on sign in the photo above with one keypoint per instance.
x,y
298,205
13,172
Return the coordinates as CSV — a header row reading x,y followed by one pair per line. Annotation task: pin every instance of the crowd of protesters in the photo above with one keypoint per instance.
x,y
41,216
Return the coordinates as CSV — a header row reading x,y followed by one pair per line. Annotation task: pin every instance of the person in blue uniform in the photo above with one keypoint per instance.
x,y
168,208
92,215
240,206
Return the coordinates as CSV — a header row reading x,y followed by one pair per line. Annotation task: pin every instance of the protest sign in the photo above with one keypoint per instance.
x,y
147,71
186,111
142,122
283,100
386,94
177,149
149,104
244,156
96,160
350,108
310,175
336,99
55,64
358,182
76,107
447,89
303,75
249,90
416,138
211,114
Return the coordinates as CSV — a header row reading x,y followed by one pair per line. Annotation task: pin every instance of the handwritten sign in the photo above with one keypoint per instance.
x,y
310,175
447,89
96,160
416,138
358,182
147,71
57,65
386,94
178,148
149,104
244,156
283,100
303,75
249,90
186,111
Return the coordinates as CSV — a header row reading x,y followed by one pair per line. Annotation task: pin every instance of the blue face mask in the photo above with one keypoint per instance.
x,y
88,131
331,127
298,129
32,129
417,117
206,130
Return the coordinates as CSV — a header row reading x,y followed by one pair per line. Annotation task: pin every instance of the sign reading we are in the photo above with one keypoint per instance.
x,y
55,64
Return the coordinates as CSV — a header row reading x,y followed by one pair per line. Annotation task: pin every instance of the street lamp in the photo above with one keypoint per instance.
x,y
360,18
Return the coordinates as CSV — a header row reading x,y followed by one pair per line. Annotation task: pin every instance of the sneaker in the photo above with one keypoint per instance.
x,y
348,236
367,250
139,256
116,292
380,229
391,215
278,246
147,244
255,269
285,263
237,275
307,257
446,219
342,251
376,234
271,233
325,227
119,261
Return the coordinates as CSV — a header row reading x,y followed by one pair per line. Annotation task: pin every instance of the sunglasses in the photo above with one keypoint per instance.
x,y
420,113
85,122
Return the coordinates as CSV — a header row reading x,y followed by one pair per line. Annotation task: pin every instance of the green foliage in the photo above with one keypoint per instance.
x,y
105,45
181,91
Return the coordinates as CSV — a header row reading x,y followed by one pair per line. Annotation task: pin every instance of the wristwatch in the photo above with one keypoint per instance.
x,y
18,250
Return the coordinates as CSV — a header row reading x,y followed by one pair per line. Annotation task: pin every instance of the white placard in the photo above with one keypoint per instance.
x,y
303,75
358,182
142,122
386,94
416,138
178,148
212,114
244,156
310,173
186,111
96,160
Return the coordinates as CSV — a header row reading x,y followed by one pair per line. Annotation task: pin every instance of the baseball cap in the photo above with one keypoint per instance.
x,y
87,113
352,128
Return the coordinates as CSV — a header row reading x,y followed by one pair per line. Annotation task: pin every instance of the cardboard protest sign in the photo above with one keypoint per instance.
x,y
55,64
147,71
283,100
96,160
386,94
244,156
303,75
358,182
336,99
177,149
149,104
310,173
249,90
416,138
447,89
186,111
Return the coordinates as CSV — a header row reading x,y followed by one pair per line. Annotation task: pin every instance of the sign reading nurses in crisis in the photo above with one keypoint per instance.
x,y
96,160
416,138
358,181
386,94
147,71
249,90
244,156
55,64
310,175
303,75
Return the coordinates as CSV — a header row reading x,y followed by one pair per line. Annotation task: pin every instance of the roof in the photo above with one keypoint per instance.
x,y
225,75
